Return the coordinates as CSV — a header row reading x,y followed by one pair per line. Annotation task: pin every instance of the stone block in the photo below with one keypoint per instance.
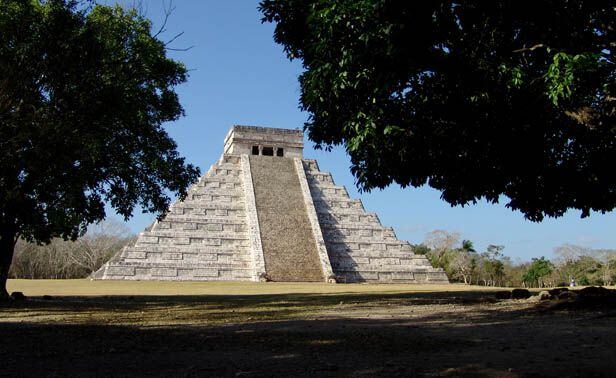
x,y
203,272
147,239
384,261
189,226
136,255
406,276
211,241
214,227
163,272
172,256
185,274
368,275
181,241
120,271
163,225
366,233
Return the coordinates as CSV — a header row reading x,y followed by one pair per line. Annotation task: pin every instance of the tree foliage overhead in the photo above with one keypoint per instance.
x,y
477,99
83,97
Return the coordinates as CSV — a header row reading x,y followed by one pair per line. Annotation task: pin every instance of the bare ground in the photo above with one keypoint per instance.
x,y
240,329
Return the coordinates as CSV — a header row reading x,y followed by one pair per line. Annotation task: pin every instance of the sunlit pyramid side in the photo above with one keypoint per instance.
x,y
262,212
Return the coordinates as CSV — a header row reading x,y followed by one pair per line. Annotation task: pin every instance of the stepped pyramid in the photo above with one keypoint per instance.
x,y
262,212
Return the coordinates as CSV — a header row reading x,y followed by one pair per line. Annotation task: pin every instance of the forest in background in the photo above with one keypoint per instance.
x,y
65,259
458,257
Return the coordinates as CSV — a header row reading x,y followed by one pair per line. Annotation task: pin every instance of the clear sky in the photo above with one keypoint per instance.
x,y
238,75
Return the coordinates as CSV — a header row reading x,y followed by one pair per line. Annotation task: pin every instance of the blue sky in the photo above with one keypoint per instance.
x,y
240,76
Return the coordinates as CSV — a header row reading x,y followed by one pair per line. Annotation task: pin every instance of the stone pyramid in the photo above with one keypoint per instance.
x,y
262,212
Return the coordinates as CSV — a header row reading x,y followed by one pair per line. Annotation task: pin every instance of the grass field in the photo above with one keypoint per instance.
x,y
93,288
118,328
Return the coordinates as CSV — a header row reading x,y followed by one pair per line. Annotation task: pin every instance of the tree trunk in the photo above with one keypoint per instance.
x,y
7,247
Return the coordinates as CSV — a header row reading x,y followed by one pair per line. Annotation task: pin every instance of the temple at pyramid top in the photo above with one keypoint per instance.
x,y
266,141
264,213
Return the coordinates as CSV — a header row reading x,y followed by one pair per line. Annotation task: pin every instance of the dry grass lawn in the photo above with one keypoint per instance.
x,y
115,328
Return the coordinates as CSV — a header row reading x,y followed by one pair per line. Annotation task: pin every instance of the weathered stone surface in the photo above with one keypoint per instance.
x,y
274,217
360,248
289,246
198,238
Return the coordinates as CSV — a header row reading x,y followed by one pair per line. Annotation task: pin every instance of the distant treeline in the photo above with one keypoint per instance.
x,y
67,259
585,266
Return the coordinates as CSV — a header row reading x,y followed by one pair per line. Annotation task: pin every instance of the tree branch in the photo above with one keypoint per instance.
x,y
525,49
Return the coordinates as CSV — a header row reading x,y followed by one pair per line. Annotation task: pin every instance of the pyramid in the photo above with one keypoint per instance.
x,y
262,212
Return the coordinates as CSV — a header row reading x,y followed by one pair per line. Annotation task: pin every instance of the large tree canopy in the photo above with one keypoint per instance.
x,y
83,96
478,99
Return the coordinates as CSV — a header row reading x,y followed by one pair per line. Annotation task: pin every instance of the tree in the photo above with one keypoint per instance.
x,y
66,259
539,268
492,265
440,242
100,243
607,259
586,265
468,246
463,264
420,249
84,93
477,99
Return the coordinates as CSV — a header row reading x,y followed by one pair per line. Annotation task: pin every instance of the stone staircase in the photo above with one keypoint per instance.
x,y
203,238
289,247
360,249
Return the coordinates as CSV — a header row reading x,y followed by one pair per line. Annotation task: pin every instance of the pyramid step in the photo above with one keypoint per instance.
x,y
222,179
360,254
183,264
211,190
204,184
220,234
424,277
165,272
356,226
316,185
233,159
189,249
338,211
338,218
228,165
205,219
205,228
338,246
207,205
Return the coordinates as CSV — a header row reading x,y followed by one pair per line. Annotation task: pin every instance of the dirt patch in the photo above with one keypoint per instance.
x,y
412,333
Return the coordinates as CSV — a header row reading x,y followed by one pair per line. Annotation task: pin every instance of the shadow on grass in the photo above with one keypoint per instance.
x,y
490,343
298,301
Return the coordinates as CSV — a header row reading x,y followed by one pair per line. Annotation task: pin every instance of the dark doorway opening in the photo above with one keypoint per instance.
x,y
267,151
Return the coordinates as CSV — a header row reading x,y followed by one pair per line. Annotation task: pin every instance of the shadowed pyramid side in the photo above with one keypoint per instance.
x,y
359,247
